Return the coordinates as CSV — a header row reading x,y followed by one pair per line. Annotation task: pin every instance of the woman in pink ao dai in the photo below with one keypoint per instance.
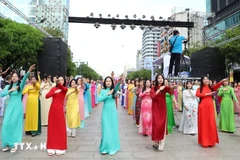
x,y
145,125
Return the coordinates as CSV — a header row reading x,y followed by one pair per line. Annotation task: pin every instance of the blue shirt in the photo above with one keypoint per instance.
x,y
177,47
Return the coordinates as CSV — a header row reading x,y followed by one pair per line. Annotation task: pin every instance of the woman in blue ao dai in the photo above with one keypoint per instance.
x,y
110,142
12,126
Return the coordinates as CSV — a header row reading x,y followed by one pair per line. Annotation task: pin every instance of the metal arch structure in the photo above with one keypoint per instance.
x,y
136,22
23,16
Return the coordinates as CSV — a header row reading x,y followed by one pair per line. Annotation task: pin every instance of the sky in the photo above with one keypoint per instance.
x,y
108,50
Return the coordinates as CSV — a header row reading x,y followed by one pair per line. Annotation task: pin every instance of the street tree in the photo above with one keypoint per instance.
x,y
55,32
87,72
19,43
231,50
193,48
141,74
71,66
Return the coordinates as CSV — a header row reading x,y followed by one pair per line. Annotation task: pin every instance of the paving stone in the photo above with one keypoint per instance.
x,y
133,145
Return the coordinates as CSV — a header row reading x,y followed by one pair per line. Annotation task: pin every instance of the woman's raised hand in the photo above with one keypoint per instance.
x,y
32,67
223,80
120,78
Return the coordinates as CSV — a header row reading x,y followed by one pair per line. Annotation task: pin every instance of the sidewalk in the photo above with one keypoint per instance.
x,y
133,145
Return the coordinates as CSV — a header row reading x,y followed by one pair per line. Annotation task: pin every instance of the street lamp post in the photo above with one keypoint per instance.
x,y
188,19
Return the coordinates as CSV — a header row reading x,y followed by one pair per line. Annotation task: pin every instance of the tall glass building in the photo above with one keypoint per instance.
x,y
45,13
150,40
208,7
227,15
27,7
55,13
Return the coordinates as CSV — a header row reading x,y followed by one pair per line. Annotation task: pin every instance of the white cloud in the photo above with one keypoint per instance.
x,y
105,49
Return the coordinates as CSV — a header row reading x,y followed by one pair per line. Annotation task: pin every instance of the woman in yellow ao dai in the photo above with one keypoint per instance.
x,y
72,109
130,98
33,119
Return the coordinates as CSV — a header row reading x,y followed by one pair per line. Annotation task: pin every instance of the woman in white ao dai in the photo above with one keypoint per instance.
x,y
188,124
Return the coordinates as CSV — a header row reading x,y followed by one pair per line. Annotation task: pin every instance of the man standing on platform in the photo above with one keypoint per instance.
x,y
176,52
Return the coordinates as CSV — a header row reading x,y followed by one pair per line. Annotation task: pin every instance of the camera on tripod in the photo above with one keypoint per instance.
x,y
185,42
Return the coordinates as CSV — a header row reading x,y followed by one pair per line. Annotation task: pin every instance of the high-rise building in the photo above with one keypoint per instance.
x,y
165,35
45,13
56,13
27,7
208,7
195,35
139,60
150,40
225,14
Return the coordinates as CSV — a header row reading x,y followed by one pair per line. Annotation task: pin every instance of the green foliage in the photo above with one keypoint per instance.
x,y
71,67
55,32
195,47
141,74
157,71
231,50
18,42
87,72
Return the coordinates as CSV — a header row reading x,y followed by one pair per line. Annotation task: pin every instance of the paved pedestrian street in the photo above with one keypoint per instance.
x,y
133,145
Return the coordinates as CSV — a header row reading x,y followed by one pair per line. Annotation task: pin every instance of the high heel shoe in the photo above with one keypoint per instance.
x,y
113,153
13,150
5,149
155,146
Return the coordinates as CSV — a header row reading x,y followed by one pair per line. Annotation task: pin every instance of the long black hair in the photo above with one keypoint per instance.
x,y
156,82
35,78
64,83
201,86
45,77
135,83
187,84
71,82
78,79
18,83
81,79
167,82
112,86
144,86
